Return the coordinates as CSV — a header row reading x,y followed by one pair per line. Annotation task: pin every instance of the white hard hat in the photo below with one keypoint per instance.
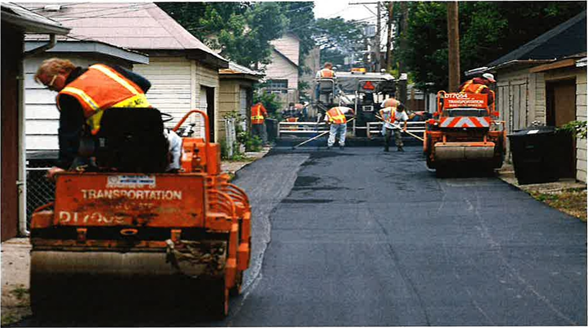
x,y
489,77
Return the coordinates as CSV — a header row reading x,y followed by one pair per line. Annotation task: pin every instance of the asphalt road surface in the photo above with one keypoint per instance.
x,y
367,238
360,237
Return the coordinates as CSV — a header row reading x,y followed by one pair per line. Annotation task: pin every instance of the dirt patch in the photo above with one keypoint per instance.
x,y
15,280
570,201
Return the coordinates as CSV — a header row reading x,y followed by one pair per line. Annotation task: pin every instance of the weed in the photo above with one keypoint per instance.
x,y
8,319
19,292
571,201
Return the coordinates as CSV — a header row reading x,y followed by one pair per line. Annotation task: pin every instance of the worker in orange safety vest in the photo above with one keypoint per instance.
x,y
325,73
258,116
83,96
337,120
391,115
479,85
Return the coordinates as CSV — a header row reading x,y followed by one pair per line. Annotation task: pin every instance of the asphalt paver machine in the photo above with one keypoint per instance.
x,y
120,238
363,91
465,131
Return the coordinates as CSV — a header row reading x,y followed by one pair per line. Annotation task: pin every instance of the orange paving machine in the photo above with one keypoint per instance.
x,y
165,240
464,130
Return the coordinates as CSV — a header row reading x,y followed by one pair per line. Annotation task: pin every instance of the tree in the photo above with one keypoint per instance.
x,y
240,31
300,22
338,39
488,30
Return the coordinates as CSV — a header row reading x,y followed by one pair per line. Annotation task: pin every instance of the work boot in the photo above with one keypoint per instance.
x,y
400,149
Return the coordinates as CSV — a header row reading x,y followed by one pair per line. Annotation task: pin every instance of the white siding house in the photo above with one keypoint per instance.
x,y
182,70
544,81
282,72
41,113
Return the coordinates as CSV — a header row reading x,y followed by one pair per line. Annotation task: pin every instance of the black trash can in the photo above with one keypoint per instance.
x,y
271,125
535,152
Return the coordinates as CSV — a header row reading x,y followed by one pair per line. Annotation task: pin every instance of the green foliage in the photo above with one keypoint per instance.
x,y
339,38
242,31
300,22
488,30
576,128
270,101
20,292
245,138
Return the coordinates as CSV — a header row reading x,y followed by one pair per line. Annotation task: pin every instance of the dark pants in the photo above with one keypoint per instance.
x,y
397,138
260,130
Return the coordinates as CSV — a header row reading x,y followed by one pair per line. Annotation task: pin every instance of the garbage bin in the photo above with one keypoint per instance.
x,y
271,126
535,154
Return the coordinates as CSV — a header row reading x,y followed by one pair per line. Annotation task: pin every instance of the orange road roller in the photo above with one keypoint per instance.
x,y
154,240
464,130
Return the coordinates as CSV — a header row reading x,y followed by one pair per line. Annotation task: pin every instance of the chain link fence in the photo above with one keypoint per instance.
x,y
40,190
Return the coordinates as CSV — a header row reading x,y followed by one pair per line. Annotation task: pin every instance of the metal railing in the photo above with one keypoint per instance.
x,y
373,128
301,128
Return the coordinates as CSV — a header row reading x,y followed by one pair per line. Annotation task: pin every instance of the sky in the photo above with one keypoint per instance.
x,y
332,8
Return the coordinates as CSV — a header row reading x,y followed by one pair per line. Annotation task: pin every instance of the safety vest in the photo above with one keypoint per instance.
x,y
100,88
257,115
391,102
326,73
336,115
388,114
471,87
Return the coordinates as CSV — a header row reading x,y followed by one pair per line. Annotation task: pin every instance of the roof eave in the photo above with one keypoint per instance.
x,y
509,64
239,76
31,26
91,47
207,58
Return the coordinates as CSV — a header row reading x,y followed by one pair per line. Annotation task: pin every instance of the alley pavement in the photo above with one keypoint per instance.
x,y
319,234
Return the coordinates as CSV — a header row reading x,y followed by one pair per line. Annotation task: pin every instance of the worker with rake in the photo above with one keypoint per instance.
x,y
392,113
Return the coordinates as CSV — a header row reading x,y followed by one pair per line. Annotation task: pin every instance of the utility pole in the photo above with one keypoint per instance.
x,y
376,43
377,57
389,39
403,79
453,37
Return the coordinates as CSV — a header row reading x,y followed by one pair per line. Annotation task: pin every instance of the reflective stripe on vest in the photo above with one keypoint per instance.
x,y
256,115
392,115
336,116
325,72
100,88
471,87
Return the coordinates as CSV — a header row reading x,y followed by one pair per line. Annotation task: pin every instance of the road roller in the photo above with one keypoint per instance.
x,y
117,238
464,132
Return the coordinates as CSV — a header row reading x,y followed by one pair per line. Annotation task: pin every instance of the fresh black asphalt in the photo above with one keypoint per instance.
x,y
360,237
368,238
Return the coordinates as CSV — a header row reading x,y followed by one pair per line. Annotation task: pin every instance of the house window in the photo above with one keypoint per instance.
x,y
277,86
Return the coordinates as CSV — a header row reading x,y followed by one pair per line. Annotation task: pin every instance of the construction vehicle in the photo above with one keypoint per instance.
x,y
146,239
360,90
464,130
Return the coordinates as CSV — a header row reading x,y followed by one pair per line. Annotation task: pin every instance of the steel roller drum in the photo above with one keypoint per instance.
x,y
103,281
454,152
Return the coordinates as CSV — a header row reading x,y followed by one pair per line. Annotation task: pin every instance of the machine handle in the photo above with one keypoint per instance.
x,y
206,124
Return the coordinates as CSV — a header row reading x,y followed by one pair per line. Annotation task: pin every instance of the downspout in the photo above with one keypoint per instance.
x,y
22,172
43,48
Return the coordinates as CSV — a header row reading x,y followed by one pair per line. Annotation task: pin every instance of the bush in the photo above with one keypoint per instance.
x,y
577,128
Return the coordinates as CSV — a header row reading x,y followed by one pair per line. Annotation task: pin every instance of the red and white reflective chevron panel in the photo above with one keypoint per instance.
x,y
465,122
